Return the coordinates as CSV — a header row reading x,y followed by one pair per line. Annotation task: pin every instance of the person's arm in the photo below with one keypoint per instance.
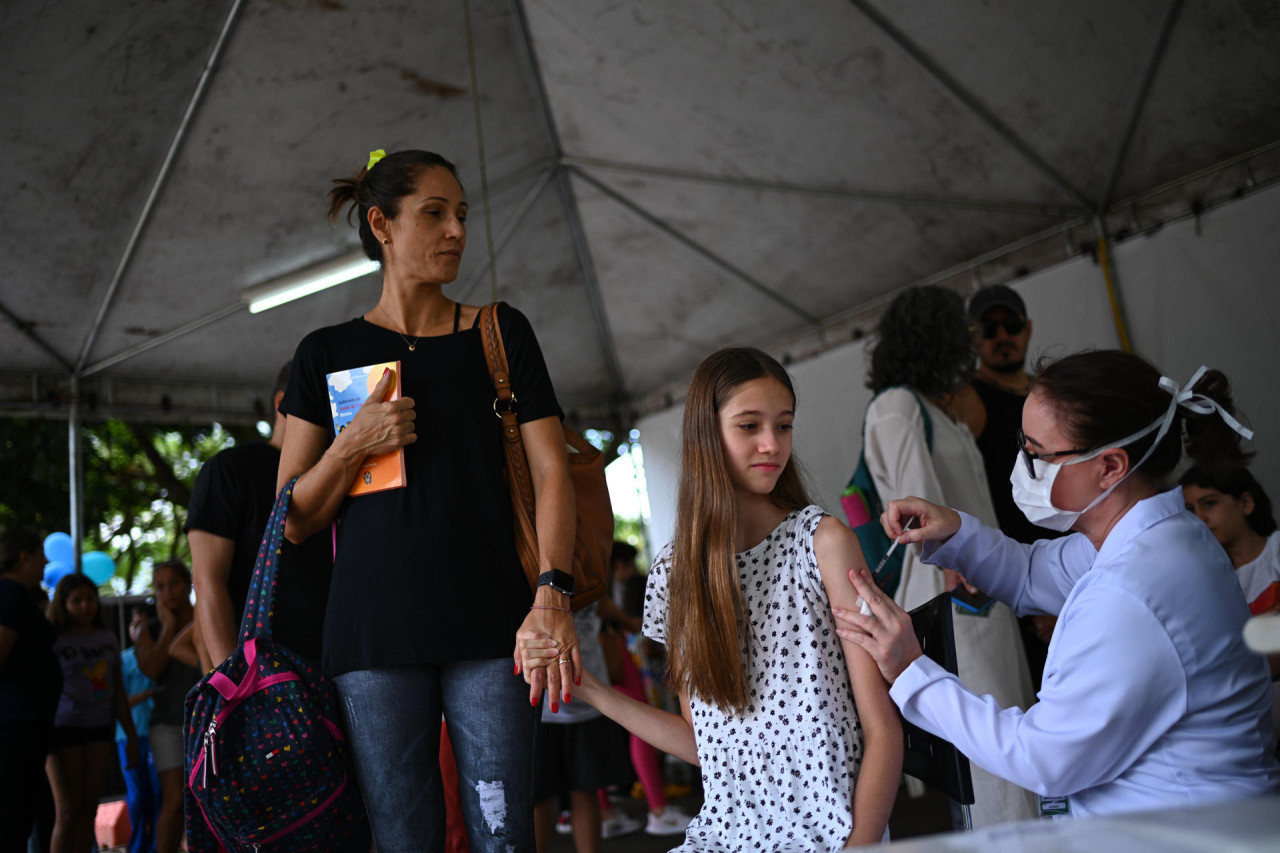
x,y
138,698
210,568
120,700
667,732
837,550
183,647
325,470
555,518
1117,687
153,652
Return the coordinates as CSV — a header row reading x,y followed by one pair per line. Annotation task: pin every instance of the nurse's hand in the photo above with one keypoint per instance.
x,y
886,635
933,523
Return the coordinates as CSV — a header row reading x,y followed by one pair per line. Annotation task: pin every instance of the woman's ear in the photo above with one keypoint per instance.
x,y
1115,465
379,223
1247,503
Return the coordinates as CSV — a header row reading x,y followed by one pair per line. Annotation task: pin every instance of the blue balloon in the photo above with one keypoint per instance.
x,y
98,567
54,572
58,548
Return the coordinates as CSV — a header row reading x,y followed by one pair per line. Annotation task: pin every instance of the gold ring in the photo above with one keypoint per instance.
x,y
564,660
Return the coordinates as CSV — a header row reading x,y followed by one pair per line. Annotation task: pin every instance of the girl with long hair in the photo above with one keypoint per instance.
x,y
93,694
799,745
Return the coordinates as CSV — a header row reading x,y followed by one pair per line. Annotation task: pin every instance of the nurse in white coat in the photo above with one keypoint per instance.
x,y
1150,697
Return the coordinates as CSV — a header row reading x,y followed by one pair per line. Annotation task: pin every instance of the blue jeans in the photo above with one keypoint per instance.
x,y
142,794
392,720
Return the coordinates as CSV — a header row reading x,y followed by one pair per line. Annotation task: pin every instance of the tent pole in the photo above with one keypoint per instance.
x,y
166,165
1108,276
571,213
75,474
738,273
1144,91
26,329
969,100
902,199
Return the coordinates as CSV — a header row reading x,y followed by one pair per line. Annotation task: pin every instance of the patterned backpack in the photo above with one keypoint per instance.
x,y
267,764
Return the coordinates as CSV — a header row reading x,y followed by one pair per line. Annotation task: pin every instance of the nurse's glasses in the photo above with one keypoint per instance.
x,y
1030,458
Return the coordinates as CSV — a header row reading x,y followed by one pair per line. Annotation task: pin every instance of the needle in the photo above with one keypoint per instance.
x,y
865,609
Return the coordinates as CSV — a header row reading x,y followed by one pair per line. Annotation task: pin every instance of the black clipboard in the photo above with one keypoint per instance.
x,y
926,756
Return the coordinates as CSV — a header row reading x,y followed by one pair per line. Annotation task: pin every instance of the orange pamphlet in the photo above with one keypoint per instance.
x,y
348,389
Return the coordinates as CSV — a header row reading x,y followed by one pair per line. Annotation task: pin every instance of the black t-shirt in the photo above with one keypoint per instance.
x,y
427,573
999,446
30,679
233,498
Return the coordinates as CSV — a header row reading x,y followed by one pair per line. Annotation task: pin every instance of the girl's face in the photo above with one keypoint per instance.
x,y
82,606
755,430
171,589
1227,517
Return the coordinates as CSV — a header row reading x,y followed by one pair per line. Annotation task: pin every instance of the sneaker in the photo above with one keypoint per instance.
x,y
672,821
564,824
619,824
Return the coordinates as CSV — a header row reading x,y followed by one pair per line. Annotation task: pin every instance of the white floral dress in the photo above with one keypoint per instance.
x,y
780,777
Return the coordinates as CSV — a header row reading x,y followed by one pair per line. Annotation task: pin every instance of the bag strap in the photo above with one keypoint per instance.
x,y
259,606
504,406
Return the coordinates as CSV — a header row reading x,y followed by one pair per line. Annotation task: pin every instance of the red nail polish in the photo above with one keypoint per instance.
x,y
554,707
578,681
568,699
533,702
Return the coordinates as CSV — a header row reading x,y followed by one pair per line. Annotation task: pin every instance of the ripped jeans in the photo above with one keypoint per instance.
x,y
392,720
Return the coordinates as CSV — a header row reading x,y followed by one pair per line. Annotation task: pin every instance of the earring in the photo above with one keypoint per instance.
x,y
386,240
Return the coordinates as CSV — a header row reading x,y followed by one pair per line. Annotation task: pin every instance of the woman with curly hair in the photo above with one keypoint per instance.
x,y
921,359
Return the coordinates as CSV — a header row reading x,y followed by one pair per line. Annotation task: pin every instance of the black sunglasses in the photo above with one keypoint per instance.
x,y
1013,325
1030,458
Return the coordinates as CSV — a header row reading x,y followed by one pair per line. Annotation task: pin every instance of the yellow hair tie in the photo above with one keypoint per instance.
x,y
374,157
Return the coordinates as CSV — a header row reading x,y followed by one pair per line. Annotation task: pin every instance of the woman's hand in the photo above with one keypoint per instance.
x,y
379,426
545,630
933,523
167,615
886,634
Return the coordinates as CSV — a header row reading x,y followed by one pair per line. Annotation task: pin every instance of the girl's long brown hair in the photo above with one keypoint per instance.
x,y
707,627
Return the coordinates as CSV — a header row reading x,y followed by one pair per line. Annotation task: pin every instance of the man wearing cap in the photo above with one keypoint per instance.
x,y
1001,332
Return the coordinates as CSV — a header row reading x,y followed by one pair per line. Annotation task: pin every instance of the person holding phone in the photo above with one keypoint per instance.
x,y
1151,698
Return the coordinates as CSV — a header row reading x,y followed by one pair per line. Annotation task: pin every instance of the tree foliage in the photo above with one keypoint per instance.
x,y
137,486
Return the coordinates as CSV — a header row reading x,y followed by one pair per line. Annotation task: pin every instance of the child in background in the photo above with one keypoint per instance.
x,y
1238,513
141,783
92,693
799,743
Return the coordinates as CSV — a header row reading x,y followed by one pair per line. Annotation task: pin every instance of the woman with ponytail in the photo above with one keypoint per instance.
x,y
428,590
1150,697
799,745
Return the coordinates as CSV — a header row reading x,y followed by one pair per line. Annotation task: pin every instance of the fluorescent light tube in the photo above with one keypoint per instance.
x,y
307,281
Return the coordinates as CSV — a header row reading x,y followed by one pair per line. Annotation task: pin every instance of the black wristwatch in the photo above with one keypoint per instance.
x,y
557,580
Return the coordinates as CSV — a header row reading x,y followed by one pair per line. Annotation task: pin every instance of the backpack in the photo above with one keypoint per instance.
x,y
862,506
266,762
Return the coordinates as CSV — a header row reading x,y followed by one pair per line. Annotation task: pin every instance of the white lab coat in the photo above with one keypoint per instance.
x,y
1150,698
989,648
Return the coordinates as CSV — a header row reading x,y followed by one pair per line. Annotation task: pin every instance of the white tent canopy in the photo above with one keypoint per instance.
x,y
664,177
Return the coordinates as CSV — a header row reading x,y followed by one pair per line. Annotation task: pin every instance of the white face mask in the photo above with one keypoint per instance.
x,y
1033,495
